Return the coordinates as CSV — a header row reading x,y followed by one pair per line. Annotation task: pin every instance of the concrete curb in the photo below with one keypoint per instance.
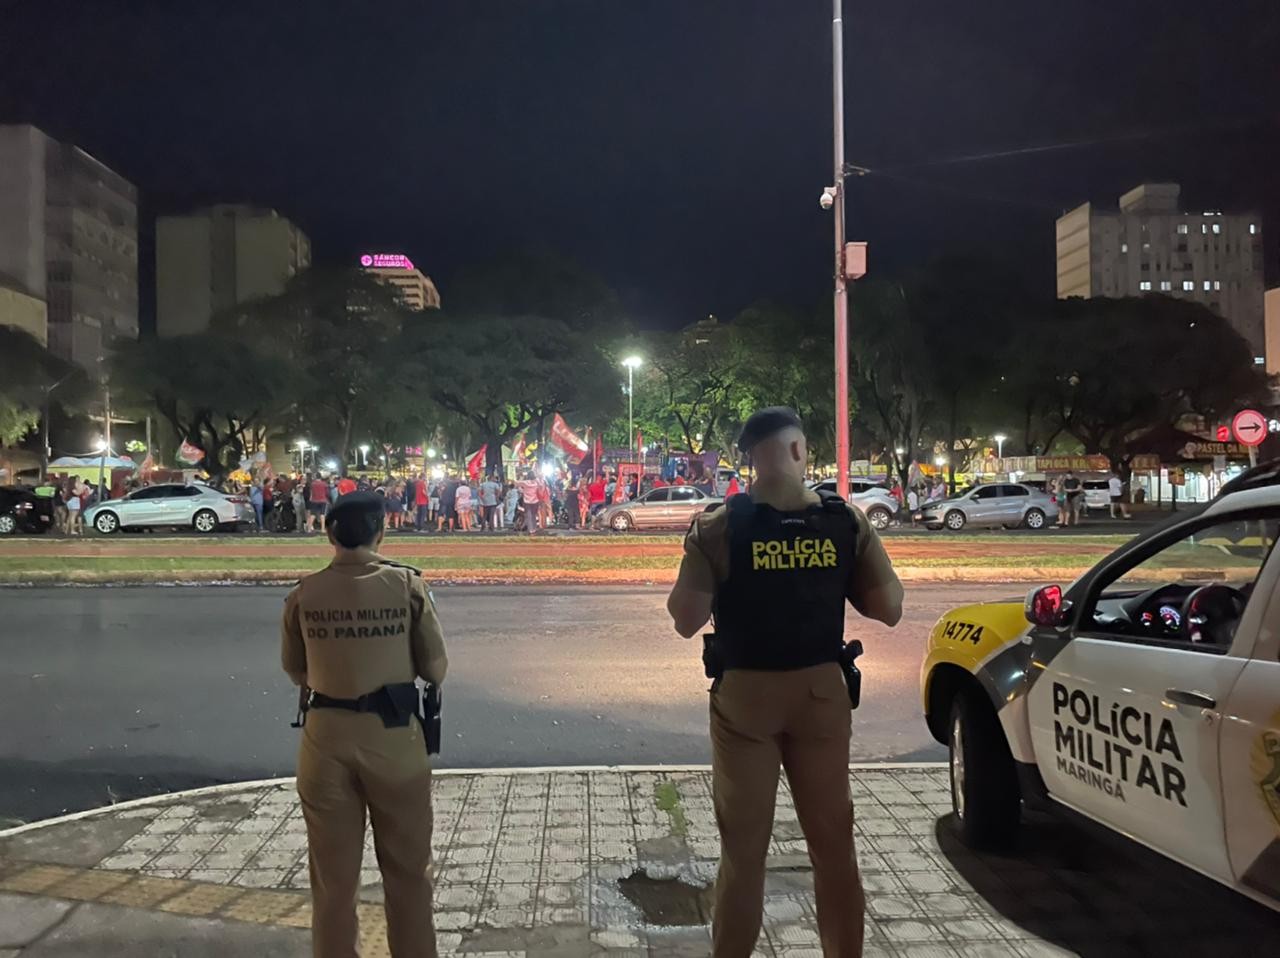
x,y
228,787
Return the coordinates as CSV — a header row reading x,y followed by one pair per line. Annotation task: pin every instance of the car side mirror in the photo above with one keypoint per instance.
x,y
1046,606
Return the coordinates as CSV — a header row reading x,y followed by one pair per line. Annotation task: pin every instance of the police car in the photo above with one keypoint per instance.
x,y
1144,697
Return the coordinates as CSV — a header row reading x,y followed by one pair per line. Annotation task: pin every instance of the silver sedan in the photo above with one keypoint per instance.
x,y
174,505
672,507
1007,504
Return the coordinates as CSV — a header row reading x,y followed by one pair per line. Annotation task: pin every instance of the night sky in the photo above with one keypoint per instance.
x,y
677,147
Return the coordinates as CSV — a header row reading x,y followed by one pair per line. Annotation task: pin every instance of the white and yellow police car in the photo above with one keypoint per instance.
x,y
1145,696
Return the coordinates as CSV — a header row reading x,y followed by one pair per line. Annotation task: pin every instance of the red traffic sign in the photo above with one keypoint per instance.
x,y
1249,427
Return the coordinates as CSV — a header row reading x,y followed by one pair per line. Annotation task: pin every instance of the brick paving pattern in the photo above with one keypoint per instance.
x,y
544,864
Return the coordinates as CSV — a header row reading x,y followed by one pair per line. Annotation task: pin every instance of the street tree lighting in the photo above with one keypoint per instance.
x,y
632,363
999,438
364,455
431,453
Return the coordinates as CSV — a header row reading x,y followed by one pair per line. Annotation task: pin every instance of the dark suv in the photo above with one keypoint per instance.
x,y
21,510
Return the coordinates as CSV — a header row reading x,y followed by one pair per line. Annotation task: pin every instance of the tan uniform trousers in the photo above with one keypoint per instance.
x,y
799,721
349,762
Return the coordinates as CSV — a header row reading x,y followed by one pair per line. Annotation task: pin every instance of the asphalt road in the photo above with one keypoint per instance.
x,y
113,693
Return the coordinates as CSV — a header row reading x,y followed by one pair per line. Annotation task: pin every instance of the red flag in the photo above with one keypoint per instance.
x,y
475,462
190,453
568,441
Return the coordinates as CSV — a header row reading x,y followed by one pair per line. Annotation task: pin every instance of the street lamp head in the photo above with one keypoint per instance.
x,y
102,445
303,444
899,450
365,449
940,461
999,437
431,454
633,362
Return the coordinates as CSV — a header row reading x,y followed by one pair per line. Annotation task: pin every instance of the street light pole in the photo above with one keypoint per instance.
x,y
841,291
631,362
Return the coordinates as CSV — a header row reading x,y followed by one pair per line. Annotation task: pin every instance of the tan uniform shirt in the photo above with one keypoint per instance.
x,y
357,625
706,548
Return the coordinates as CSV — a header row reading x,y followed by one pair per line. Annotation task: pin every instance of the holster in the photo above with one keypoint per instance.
x,y
432,724
852,674
712,660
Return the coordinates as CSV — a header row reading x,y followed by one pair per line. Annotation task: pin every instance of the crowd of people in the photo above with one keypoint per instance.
x,y
423,503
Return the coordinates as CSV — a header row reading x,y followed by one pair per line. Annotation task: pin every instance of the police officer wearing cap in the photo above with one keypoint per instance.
x,y
774,568
358,633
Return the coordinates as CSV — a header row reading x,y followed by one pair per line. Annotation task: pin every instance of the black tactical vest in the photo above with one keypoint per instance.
x,y
782,607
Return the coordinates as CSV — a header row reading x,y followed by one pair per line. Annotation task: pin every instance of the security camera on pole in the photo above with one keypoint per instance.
x,y
851,258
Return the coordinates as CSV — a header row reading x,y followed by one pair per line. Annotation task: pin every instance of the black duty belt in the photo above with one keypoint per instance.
x,y
397,705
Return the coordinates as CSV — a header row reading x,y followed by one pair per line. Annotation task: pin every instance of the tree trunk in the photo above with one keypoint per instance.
x,y
345,451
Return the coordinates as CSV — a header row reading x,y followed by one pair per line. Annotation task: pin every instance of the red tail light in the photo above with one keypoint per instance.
x,y
238,500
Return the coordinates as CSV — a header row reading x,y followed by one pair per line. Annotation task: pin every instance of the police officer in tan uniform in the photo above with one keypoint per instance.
x,y
775,568
358,633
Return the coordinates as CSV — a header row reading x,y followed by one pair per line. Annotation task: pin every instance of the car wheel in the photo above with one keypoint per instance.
x,y
206,521
621,522
8,525
106,523
984,783
879,517
954,520
1034,519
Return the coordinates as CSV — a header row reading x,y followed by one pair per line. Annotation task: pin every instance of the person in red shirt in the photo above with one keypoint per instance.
x,y
733,489
595,493
680,480
317,501
659,482
346,486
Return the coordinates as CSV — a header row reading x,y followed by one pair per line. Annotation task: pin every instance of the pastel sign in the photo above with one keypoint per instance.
x,y
386,261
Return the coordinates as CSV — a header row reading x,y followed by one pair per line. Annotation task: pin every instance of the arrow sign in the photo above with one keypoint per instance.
x,y
1249,427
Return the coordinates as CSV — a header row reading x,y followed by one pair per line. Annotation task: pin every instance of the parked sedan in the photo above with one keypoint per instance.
x,y
175,505
673,507
1007,504
872,498
23,511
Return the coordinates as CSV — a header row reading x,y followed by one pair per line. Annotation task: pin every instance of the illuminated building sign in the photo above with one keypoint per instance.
x,y
386,261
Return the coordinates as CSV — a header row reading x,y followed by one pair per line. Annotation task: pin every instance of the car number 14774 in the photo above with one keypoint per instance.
x,y
959,631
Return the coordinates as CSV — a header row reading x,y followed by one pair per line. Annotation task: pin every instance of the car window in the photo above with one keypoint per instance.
x,y
1014,490
1148,597
986,492
1097,484
186,492
685,494
658,495
151,492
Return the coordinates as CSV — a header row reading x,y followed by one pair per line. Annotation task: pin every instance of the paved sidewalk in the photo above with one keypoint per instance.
x,y
593,862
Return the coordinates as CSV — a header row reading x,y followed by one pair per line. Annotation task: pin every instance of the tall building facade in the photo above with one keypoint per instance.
x,y
23,311
416,288
213,259
69,237
1151,245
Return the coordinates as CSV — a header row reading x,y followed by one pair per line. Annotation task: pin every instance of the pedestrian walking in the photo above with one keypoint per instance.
x,y
780,698
1072,491
363,744
1064,507
572,511
529,499
1115,488
510,503
317,501
447,517
298,500
255,499
75,508
490,490
462,504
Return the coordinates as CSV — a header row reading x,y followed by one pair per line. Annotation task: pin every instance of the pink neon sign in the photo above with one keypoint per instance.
x,y
386,261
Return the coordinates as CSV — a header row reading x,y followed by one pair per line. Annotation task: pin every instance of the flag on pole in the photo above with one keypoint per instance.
x,y
475,462
569,442
190,453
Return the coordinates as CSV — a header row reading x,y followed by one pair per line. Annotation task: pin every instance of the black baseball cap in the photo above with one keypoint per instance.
x,y
766,422
356,519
